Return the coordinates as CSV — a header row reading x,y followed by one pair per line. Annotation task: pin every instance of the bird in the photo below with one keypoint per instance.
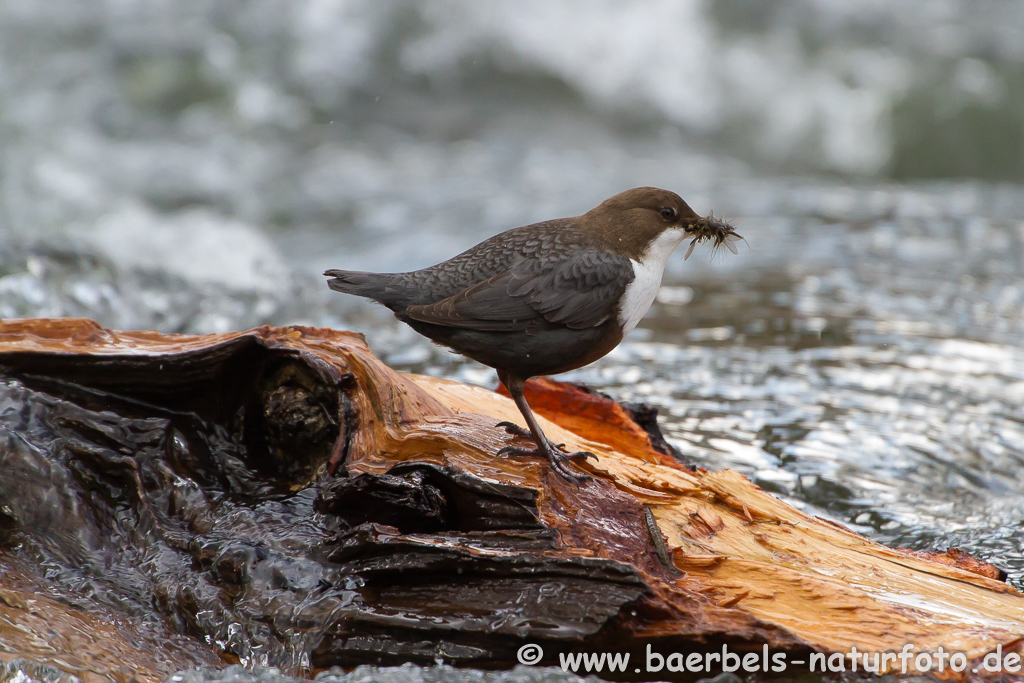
x,y
546,298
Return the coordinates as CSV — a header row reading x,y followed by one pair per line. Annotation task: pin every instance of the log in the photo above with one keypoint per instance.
x,y
293,501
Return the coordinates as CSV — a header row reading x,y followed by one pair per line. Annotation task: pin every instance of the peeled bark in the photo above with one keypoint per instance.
x,y
344,513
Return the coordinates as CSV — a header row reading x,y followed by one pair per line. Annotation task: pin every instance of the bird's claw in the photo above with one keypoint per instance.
x,y
559,460
515,430
518,452
559,464
582,455
553,453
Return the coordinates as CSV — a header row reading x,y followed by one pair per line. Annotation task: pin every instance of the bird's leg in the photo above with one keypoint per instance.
x,y
558,459
511,427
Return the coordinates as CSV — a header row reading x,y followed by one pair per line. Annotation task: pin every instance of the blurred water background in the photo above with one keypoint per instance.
x,y
193,165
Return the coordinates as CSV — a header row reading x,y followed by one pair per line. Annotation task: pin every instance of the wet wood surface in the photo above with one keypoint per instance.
x,y
430,545
95,647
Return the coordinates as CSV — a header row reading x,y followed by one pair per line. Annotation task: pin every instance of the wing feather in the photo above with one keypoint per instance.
x,y
578,293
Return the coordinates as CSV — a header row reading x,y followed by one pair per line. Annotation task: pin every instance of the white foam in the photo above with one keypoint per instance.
x,y
196,245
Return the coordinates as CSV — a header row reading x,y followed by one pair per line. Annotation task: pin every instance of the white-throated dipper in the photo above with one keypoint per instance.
x,y
546,298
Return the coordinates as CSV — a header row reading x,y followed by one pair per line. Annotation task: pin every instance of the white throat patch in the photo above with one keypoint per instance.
x,y
647,272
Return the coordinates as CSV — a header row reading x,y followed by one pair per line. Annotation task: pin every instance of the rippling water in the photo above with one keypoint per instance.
x,y
193,166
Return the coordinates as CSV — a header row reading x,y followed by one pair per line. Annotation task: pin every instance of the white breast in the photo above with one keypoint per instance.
x,y
640,293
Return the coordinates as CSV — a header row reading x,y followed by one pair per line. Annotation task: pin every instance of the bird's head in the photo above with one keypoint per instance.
x,y
643,219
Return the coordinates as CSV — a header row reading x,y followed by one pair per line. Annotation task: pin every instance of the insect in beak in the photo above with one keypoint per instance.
x,y
715,229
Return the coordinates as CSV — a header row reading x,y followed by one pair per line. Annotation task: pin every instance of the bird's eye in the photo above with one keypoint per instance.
x,y
668,213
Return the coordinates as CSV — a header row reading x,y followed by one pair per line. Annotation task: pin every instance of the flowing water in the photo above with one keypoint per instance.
x,y
194,166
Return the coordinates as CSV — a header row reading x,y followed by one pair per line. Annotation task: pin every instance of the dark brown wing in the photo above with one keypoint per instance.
x,y
580,292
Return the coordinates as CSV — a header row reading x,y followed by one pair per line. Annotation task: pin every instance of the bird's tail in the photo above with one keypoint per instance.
x,y
370,285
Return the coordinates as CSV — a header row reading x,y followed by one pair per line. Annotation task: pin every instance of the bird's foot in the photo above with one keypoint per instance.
x,y
558,459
